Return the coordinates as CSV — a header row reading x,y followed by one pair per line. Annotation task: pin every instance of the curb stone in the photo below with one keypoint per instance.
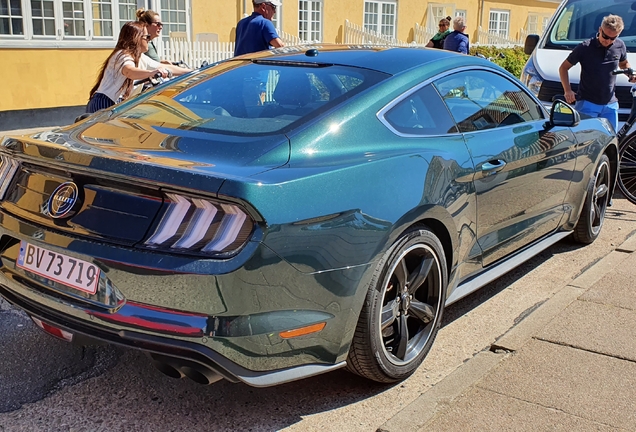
x,y
415,415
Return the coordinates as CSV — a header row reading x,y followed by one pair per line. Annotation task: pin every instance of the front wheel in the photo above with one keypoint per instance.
x,y
627,170
403,309
597,198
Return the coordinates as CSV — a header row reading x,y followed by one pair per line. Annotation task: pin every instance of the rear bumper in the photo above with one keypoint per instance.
x,y
177,349
224,316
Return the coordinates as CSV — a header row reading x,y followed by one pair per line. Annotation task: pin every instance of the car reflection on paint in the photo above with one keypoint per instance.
x,y
290,212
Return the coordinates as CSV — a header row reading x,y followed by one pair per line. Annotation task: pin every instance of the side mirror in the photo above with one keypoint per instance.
x,y
563,114
531,43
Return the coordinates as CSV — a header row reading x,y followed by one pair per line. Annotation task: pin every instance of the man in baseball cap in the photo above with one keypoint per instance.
x,y
256,32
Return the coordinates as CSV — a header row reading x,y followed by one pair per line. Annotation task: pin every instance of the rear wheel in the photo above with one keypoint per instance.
x,y
597,197
403,309
627,170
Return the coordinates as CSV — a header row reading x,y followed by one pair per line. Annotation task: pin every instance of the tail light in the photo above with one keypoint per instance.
x,y
199,225
8,167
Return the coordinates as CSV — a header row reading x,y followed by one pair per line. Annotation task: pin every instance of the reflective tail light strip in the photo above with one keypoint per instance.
x,y
8,168
193,225
198,226
171,220
228,230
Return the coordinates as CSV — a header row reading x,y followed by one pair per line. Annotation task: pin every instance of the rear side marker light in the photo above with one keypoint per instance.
x,y
54,331
314,328
8,168
196,224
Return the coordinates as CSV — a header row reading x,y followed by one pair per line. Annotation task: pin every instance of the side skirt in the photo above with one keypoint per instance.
x,y
477,281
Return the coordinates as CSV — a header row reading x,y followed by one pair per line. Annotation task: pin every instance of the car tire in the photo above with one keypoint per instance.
x,y
597,198
403,309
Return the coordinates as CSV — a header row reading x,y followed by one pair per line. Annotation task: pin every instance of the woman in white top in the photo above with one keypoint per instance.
x,y
124,65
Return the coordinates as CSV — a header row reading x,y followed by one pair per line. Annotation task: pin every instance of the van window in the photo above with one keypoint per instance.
x,y
580,20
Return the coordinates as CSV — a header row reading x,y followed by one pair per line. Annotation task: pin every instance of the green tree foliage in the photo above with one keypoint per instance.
x,y
513,61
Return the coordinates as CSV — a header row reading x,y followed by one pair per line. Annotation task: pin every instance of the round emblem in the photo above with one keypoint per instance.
x,y
62,200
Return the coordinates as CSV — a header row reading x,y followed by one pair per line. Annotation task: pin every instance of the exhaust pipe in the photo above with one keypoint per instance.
x,y
178,368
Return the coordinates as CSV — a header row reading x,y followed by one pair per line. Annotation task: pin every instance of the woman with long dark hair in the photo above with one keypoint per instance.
x,y
124,65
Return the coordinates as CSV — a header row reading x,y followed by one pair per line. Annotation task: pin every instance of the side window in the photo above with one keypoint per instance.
x,y
421,113
480,100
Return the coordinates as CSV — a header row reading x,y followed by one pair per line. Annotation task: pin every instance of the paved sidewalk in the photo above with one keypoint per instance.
x,y
570,365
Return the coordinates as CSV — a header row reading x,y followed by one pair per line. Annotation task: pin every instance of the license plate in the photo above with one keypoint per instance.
x,y
72,272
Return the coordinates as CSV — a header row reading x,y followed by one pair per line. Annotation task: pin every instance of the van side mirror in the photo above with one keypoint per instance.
x,y
563,114
531,43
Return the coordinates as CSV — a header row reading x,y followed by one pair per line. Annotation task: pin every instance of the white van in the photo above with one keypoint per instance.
x,y
573,22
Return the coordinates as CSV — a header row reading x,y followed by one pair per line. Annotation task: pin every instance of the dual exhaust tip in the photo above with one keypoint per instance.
x,y
179,368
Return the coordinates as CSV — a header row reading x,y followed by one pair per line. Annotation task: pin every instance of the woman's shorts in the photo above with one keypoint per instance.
x,y
99,101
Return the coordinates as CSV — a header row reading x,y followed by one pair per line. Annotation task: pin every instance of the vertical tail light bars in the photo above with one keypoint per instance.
x,y
8,168
199,225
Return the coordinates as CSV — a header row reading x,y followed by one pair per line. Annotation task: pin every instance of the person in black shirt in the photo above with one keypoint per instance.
x,y
598,56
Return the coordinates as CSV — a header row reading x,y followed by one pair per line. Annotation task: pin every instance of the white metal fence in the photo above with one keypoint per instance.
x,y
484,37
421,34
193,53
196,52
357,35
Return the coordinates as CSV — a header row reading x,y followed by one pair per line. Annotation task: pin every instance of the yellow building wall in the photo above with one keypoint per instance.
x,y
519,10
48,78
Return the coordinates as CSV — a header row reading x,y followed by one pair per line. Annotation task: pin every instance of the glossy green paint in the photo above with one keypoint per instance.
x,y
329,198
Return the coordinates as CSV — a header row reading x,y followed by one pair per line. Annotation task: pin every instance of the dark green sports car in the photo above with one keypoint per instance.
x,y
286,213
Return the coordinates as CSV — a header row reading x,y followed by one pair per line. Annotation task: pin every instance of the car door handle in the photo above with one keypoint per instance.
x,y
493,166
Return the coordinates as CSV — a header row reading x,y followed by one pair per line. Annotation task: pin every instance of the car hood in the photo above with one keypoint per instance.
x,y
156,153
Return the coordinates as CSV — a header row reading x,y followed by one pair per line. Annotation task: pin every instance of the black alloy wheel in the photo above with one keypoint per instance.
x,y
627,170
597,198
403,309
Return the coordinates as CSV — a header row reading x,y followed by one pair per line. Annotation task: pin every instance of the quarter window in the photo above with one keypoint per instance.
x,y
173,16
437,12
421,113
498,22
310,20
43,17
74,18
380,17
11,17
480,100
127,10
102,18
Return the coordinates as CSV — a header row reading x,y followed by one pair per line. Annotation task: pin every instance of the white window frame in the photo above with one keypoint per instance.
x,y
495,17
86,41
439,11
378,22
128,3
462,13
532,25
312,18
166,13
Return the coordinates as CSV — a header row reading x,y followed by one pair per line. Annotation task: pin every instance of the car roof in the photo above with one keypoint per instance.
x,y
390,60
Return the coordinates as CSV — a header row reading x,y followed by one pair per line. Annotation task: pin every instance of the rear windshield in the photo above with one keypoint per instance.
x,y
254,98
580,20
